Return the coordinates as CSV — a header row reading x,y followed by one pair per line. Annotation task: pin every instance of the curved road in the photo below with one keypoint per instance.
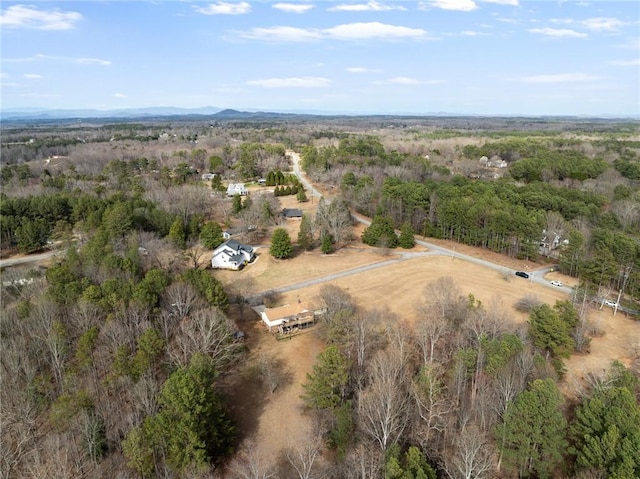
x,y
534,276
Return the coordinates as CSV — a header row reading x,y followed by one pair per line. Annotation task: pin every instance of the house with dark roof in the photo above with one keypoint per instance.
x,y
291,214
232,255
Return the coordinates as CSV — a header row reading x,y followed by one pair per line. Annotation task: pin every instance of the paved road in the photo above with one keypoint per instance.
x,y
4,263
534,276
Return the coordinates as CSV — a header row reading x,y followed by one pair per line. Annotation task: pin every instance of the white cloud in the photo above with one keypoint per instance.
x,y
348,31
119,95
603,24
560,78
283,34
471,33
558,32
514,3
360,31
598,24
224,8
371,6
41,57
32,76
626,63
92,61
292,7
362,70
459,5
28,16
407,81
292,82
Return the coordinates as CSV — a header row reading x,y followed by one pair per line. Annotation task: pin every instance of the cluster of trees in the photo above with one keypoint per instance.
x,y
519,220
118,348
382,233
461,393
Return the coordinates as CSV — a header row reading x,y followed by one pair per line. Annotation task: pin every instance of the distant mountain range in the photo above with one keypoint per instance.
x,y
42,114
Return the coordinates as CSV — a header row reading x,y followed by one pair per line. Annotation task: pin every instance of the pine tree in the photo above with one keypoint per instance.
x,y
305,235
326,384
532,434
327,244
302,196
236,206
406,239
281,246
380,233
605,433
211,235
176,233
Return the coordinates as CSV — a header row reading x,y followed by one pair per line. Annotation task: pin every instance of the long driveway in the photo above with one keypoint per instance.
x,y
534,276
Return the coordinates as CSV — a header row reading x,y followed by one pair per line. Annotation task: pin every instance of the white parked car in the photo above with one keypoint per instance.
x,y
608,302
557,283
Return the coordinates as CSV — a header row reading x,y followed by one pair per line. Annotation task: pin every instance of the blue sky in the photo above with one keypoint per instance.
x,y
458,56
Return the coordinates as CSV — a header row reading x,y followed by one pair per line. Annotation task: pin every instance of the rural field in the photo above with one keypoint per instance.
x,y
396,285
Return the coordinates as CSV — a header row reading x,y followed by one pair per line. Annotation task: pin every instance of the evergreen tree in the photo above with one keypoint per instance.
x,y
380,233
281,246
216,183
192,428
606,433
550,331
406,239
532,434
412,465
236,205
327,245
302,196
326,384
305,235
176,233
211,235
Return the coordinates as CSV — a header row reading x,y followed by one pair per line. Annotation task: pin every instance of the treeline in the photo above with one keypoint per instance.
x,y
524,221
29,223
463,393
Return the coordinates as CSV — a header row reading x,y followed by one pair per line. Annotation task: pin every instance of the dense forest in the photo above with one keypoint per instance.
x,y
116,355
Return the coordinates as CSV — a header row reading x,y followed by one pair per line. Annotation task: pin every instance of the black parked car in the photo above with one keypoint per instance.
x,y
522,274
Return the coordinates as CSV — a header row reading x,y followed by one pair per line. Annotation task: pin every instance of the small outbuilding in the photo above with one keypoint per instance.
x,y
291,214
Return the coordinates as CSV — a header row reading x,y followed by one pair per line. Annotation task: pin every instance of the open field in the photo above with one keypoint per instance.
x,y
397,287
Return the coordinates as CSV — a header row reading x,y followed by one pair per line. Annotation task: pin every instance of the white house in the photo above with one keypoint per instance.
x,y
285,318
232,255
237,189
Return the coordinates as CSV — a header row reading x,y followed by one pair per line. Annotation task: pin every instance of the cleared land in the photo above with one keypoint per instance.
x,y
397,287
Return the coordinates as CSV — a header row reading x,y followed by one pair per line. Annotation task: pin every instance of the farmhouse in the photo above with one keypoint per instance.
x,y
232,255
285,319
237,189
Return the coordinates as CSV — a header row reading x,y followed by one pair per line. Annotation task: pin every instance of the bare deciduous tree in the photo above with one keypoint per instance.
x,y
335,219
383,407
433,404
472,458
303,457
273,372
181,298
249,465
429,332
207,331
